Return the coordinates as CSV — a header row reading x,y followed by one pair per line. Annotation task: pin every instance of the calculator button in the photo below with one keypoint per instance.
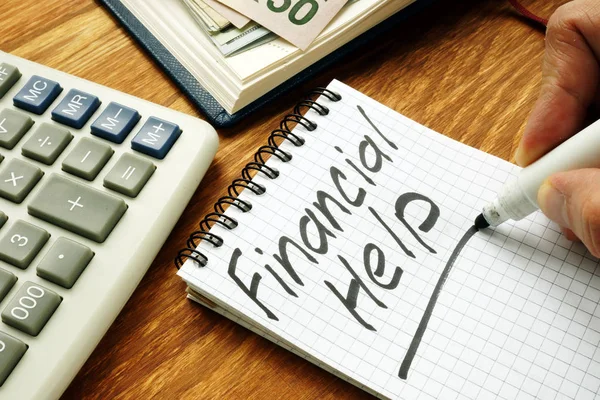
x,y
129,175
17,178
76,108
46,144
156,137
37,94
11,351
3,219
21,243
9,75
7,281
87,158
64,262
13,125
31,308
115,122
77,208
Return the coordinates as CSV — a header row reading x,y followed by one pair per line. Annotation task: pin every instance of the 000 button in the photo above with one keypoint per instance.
x,y
31,308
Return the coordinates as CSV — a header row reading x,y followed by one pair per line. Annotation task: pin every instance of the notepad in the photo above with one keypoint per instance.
x,y
335,249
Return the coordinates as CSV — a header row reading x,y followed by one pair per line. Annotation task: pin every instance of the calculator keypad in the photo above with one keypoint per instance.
x,y
66,202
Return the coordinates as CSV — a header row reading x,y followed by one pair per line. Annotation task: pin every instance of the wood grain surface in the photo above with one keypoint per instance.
x,y
469,69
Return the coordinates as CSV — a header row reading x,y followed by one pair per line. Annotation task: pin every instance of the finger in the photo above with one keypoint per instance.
x,y
571,76
569,234
572,199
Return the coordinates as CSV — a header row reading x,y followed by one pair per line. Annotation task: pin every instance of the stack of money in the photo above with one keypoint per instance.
x,y
230,31
238,25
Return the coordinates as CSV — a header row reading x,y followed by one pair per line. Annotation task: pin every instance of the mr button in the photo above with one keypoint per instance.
x,y
156,137
75,109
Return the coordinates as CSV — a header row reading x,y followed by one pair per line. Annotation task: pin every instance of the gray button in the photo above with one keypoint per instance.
x,y
7,281
77,207
21,243
3,219
17,178
9,75
31,308
11,351
47,143
129,175
87,158
65,261
13,125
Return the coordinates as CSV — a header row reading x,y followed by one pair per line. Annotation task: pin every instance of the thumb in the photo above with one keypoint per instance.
x,y
572,200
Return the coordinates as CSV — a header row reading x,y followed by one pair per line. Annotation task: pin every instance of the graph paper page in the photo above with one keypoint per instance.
x,y
340,256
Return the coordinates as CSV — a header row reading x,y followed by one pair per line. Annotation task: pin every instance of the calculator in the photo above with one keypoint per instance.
x,y
92,181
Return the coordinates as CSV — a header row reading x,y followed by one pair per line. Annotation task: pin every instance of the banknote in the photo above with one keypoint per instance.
x,y
209,19
233,41
238,20
297,21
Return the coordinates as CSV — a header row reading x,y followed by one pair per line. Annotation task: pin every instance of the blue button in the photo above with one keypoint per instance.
x,y
115,122
76,108
156,137
37,94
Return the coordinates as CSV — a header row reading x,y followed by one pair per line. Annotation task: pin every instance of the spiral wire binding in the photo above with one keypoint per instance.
x,y
284,132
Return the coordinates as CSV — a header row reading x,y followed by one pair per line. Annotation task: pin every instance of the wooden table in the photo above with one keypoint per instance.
x,y
469,69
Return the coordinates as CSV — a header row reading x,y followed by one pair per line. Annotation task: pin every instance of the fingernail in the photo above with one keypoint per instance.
x,y
520,156
553,204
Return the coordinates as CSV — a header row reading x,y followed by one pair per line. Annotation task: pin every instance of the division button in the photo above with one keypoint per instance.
x,y
46,144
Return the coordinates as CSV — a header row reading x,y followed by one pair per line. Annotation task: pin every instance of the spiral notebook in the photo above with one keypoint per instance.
x,y
345,247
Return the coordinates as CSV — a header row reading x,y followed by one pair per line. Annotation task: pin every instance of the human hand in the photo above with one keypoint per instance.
x,y
570,87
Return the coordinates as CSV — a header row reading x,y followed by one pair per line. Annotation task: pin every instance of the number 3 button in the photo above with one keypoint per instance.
x,y
31,308
21,243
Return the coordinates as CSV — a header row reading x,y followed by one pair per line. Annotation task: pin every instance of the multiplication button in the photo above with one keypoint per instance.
x,y
17,178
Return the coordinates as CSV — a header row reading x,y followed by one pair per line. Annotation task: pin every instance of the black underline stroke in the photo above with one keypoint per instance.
x,y
414,344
